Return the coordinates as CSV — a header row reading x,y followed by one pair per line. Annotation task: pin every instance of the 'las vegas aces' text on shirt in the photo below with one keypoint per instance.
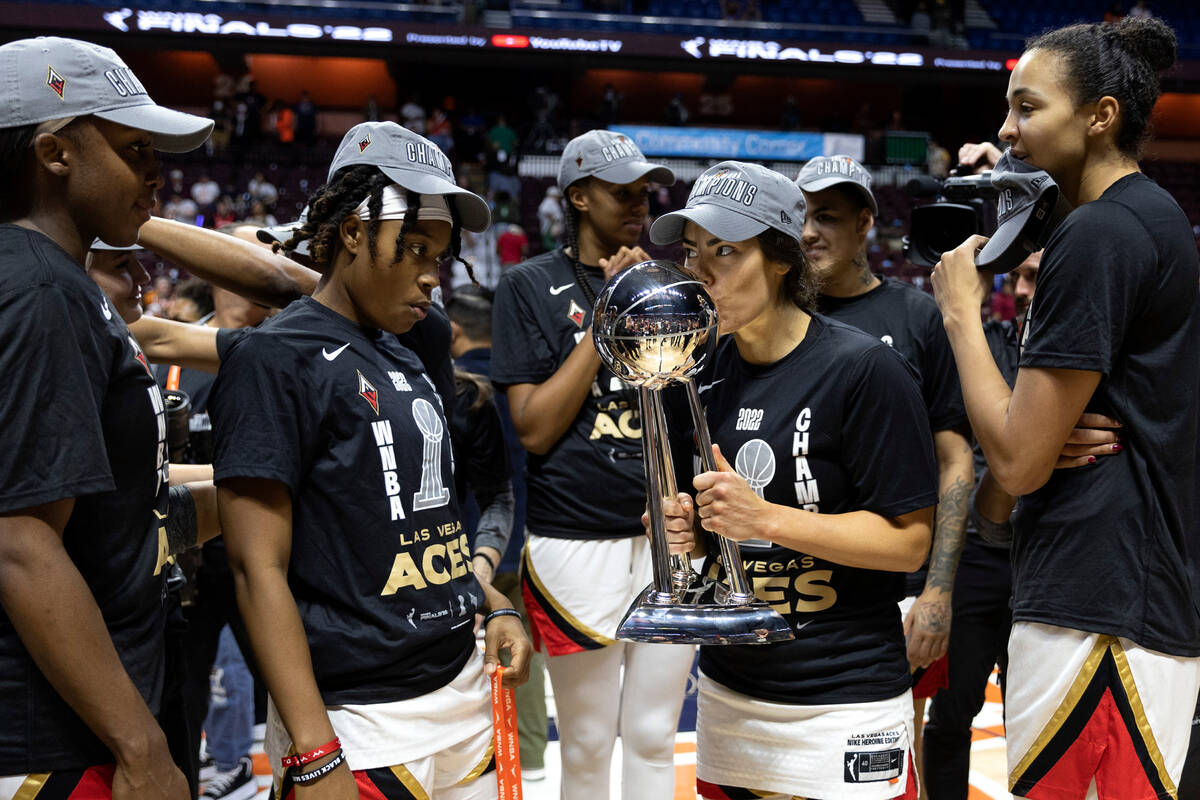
x,y
347,419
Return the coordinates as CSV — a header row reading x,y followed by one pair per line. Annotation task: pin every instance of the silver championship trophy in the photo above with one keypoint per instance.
x,y
655,326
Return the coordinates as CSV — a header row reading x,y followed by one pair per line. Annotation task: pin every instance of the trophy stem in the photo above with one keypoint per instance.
x,y
740,591
653,424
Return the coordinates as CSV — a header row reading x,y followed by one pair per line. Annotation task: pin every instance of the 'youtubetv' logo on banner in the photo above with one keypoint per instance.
x,y
734,143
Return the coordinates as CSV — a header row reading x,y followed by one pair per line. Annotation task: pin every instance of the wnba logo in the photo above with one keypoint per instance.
x,y
755,462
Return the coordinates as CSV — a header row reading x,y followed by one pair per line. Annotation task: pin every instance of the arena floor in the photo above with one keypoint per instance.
x,y
988,767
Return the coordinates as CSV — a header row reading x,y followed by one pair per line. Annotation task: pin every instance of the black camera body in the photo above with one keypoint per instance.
x,y
964,206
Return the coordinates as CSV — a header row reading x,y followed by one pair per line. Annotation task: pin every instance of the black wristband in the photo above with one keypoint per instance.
x,y
314,775
486,558
501,612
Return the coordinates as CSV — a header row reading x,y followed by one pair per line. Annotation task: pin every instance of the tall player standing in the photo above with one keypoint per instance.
x,y
1105,557
800,404
333,463
586,558
83,478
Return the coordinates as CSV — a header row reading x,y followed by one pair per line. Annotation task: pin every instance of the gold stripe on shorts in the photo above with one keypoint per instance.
x,y
31,786
1082,679
480,767
1139,715
531,573
409,781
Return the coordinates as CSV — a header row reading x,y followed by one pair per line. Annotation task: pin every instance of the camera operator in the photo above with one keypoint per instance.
x,y
841,210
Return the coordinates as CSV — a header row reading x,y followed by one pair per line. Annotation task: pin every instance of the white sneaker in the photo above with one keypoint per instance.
x,y
237,784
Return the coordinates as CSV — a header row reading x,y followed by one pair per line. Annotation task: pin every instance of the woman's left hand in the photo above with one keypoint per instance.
x,y
956,285
726,504
507,633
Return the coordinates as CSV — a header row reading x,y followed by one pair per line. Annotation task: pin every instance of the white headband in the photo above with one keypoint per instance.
x,y
395,206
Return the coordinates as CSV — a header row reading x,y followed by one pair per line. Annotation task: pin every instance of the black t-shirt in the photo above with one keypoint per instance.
x,y
380,568
479,438
82,418
901,315
908,319
837,425
591,485
430,340
1113,547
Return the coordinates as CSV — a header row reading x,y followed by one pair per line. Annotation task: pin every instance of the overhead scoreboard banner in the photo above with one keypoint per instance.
x,y
739,144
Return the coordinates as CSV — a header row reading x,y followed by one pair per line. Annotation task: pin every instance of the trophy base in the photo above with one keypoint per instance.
x,y
700,615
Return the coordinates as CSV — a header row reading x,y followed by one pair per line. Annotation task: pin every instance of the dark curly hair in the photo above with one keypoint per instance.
x,y
798,284
1116,59
332,203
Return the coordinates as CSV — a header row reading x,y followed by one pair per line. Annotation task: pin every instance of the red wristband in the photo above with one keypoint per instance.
x,y
312,755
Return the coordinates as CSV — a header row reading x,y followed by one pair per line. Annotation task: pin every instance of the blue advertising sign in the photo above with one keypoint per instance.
x,y
725,143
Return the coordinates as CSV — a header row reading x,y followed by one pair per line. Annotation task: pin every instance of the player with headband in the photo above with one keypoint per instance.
x,y
334,470
800,407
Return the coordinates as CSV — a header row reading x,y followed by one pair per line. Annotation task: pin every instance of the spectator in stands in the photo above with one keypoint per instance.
x,y
502,172
469,141
371,112
440,131
253,100
306,120
224,213
1140,9
193,300
283,122
677,113
512,246
505,209
260,217
1004,305
205,192
158,298
262,190
412,115
551,218
938,159
789,117
181,209
222,117
610,106
501,136
175,186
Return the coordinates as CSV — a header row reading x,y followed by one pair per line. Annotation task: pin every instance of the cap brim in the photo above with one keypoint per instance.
x,y
174,131
829,181
724,223
97,244
1006,249
473,211
630,171
281,233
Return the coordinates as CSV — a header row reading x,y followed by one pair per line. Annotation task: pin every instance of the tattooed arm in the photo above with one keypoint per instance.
x,y
927,626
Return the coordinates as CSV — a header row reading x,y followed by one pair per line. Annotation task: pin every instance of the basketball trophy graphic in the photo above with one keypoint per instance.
x,y
433,494
655,326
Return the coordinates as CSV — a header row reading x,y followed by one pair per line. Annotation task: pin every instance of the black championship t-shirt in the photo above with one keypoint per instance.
x,y
1113,547
591,485
81,418
380,568
904,317
837,425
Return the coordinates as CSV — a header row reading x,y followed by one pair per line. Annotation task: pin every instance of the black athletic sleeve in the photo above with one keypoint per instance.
x,y
264,421
887,446
1088,289
941,390
226,338
55,366
520,352
486,452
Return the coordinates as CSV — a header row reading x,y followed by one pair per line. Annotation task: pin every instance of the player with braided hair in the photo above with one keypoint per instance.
x,y
585,559
334,471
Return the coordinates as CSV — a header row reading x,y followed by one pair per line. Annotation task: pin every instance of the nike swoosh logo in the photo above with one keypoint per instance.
x,y
104,308
806,624
331,356
557,290
709,386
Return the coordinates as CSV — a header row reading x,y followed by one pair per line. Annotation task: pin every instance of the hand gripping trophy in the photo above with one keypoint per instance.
x,y
655,326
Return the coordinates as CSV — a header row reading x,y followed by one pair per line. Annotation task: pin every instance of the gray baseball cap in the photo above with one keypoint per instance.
x,y
736,201
52,78
413,163
1028,208
282,232
823,172
610,156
